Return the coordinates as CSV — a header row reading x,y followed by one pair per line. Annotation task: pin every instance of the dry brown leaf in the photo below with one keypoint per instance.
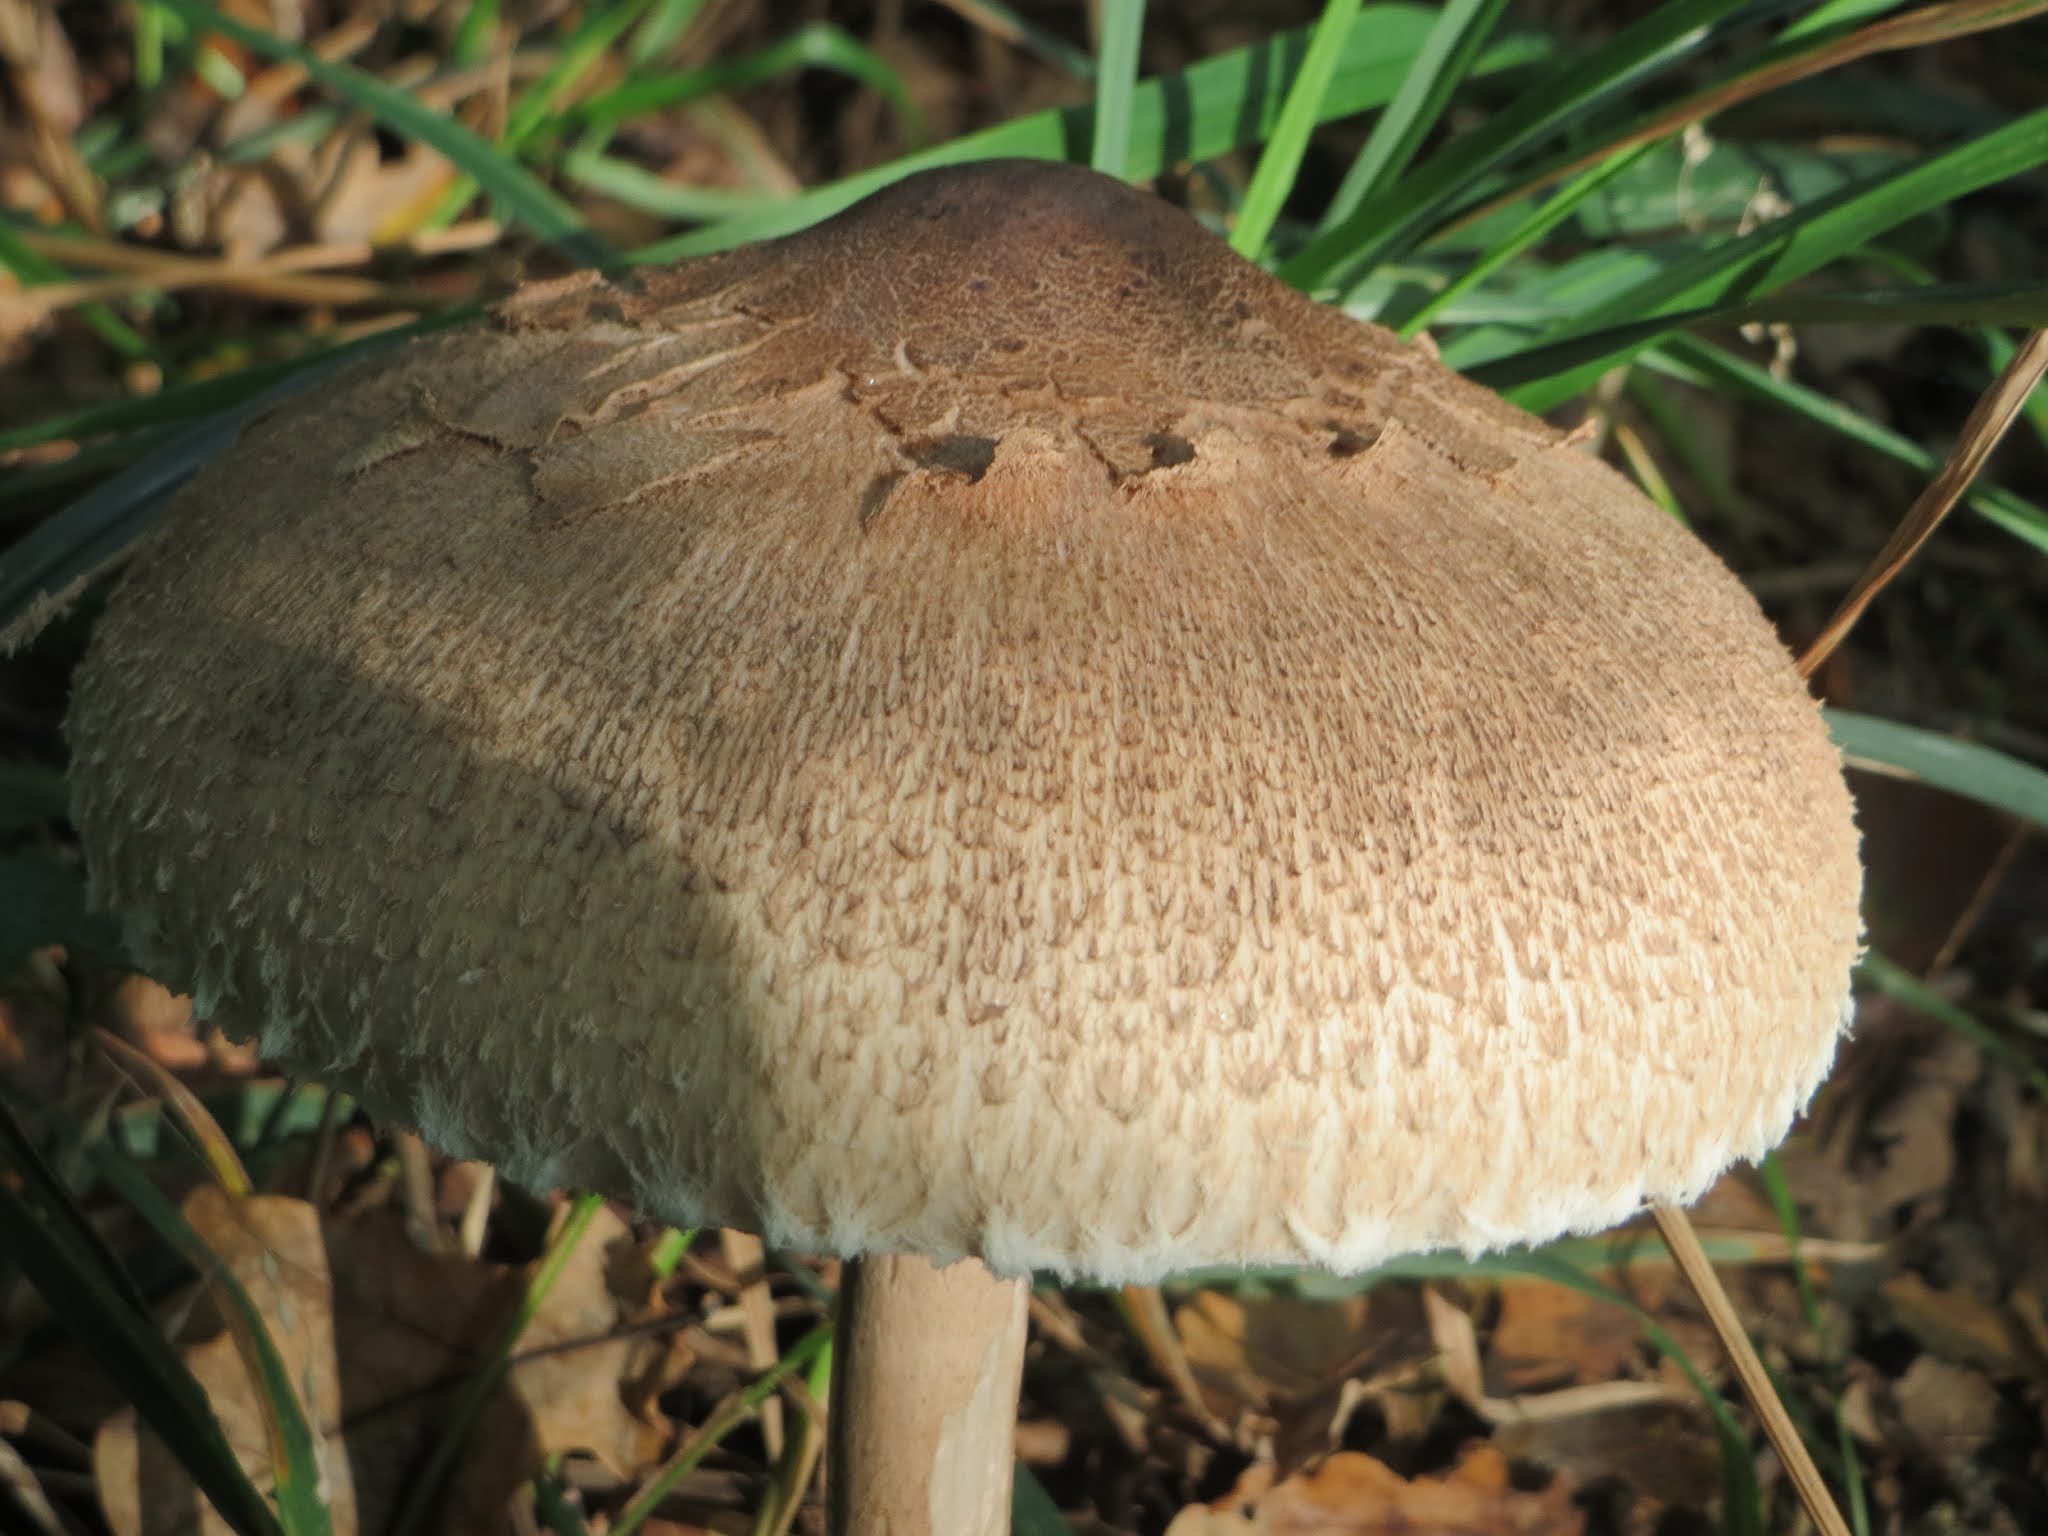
x,y
1945,1408
1257,1348
1550,1335
1958,1327
1354,1495
1887,1123
379,1336
1646,1433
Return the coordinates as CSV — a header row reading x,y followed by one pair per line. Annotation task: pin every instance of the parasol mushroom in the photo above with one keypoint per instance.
x,y
987,736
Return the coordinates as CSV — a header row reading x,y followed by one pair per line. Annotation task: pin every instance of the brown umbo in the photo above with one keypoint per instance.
x,y
988,729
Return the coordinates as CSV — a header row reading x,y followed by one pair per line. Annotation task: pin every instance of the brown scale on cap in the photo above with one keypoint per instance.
x,y
990,726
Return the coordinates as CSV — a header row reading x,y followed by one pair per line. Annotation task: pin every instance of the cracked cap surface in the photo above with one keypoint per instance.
x,y
988,726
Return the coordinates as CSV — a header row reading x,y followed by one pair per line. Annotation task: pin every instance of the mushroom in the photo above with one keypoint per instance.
x,y
987,736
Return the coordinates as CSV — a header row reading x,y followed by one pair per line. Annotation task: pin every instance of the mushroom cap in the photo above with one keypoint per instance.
x,y
990,726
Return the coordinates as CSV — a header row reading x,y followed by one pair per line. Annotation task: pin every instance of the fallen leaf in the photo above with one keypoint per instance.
x,y
1257,1348
380,1336
1946,1409
1350,1494
1551,1336
1958,1327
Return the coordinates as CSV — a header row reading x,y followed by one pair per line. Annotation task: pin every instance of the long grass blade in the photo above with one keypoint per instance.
x,y
1220,104
203,1132
1698,362
1801,242
1385,226
732,1413
1539,222
424,1489
584,49
1116,76
1945,304
1797,56
1965,768
1461,29
42,1230
294,1447
1280,164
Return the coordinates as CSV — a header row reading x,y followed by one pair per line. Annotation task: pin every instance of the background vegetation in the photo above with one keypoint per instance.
x,y
1770,253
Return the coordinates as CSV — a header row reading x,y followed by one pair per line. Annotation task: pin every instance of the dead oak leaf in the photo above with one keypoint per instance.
x,y
379,1337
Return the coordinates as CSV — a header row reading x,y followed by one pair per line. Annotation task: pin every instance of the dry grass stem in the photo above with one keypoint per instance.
x,y
1812,1488
1987,424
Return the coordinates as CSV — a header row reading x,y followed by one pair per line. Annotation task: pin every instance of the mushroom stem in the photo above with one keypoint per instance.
x,y
924,1398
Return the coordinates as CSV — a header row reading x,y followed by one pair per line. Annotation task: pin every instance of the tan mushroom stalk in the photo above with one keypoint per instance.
x,y
987,729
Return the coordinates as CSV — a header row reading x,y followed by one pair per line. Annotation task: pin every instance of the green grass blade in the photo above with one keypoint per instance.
x,y
475,33
738,1409
668,1248
1799,243
1220,104
584,48
1395,221
1440,68
1839,13
424,1489
650,192
1965,768
66,550
1956,304
90,533
541,101
1698,362
524,199
42,1230
1280,164
1902,986
665,26
1800,53
294,1447
1539,222
1116,76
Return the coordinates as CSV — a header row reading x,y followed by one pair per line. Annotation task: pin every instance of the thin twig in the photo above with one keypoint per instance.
x,y
1812,1488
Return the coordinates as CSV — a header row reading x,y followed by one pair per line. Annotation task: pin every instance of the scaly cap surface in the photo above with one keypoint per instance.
x,y
989,726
